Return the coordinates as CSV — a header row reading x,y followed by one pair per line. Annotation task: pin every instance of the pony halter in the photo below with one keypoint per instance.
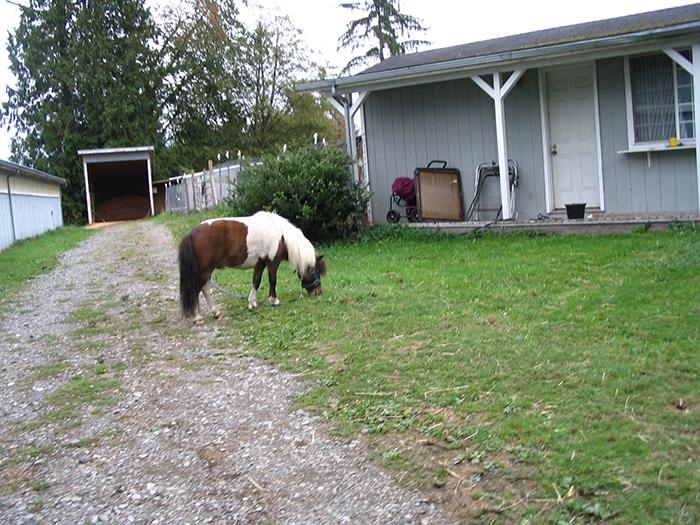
x,y
313,284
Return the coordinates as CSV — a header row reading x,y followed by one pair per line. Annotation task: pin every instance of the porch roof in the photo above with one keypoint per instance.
x,y
499,53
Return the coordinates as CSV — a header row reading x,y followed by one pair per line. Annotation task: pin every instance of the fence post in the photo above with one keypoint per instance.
x,y
194,195
210,169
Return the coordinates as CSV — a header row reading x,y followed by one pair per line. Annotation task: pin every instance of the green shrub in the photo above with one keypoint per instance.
x,y
311,187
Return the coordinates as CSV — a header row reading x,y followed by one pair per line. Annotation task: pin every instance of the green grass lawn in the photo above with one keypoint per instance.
x,y
559,359
31,257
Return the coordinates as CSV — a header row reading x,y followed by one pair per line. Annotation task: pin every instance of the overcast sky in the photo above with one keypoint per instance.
x,y
450,22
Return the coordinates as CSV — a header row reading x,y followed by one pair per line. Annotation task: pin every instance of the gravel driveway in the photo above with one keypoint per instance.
x,y
115,410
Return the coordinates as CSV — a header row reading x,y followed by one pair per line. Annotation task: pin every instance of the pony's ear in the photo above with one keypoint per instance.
x,y
320,265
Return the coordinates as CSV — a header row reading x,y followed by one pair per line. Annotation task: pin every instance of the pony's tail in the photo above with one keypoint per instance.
x,y
189,277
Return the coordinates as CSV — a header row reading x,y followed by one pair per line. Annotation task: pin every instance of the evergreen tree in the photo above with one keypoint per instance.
x,y
87,76
384,27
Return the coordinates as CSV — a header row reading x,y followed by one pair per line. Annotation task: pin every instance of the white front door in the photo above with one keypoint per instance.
x,y
573,144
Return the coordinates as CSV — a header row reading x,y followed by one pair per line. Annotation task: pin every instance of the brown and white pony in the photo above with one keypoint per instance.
x,y
261,241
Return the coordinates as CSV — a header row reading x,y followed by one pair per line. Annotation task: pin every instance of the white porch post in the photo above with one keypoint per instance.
x,y
696,111
87,191
498,93
365,164
502,142
150,185
345,106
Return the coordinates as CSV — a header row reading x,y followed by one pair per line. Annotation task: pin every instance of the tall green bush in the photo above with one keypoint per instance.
x,y
311,187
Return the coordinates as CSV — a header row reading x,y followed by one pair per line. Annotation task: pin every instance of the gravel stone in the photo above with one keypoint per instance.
x,y
190,438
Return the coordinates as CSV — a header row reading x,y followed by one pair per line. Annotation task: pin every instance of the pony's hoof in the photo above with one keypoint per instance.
x,y
252,306
217,314
198,320
274,301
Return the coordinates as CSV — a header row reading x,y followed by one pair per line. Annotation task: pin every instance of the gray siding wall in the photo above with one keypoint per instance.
x,y
453,121
630,184
33,215
5,223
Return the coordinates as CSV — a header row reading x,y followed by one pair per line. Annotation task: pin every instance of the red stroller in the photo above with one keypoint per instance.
x,y
403,195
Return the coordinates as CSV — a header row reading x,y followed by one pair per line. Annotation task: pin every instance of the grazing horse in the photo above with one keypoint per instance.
x,y
261,241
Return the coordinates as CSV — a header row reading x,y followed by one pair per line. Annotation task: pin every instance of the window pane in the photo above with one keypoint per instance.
x,y
652,98
685,103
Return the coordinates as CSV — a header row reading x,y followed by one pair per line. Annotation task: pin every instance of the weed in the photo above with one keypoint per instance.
x,y
35,506
48,370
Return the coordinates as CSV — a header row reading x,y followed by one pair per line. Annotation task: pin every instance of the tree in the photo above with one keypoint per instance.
x,y
88,76
384,26
273,59
202,107
306,114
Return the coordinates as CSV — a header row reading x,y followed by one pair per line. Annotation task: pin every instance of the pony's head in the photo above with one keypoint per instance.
x,y
311,280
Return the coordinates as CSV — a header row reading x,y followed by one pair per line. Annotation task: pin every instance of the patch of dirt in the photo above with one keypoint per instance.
x,y
152,420
469,483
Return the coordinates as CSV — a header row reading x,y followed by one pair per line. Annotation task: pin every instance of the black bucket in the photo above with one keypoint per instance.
x,y
575,211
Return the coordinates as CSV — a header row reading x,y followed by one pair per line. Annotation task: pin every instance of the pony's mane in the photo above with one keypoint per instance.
x,y
300,252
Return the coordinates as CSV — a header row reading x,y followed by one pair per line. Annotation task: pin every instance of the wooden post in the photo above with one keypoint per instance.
x,y
194,195
210,169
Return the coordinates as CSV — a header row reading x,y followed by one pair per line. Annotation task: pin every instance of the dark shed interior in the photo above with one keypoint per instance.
x,y
119,190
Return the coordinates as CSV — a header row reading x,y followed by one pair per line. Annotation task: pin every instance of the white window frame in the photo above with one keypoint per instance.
x,y
659,144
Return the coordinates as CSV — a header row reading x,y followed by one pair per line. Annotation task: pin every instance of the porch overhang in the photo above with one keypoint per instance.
x,y
534,57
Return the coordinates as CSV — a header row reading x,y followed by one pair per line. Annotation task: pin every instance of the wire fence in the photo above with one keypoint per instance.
x,y
201,190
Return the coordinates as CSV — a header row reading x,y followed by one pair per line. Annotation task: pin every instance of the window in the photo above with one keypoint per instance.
x,y
661,99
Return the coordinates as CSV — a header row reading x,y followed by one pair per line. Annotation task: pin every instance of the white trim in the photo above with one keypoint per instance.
x,y
547,159
512,80
337,105
548,170
150,186
679,59
484,86
628,103
598,140
361,96
696,109
106,151
87,191
657,145
675,100
365,164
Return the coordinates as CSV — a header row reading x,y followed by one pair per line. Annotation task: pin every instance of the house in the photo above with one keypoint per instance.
x,y
601,113
30,202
